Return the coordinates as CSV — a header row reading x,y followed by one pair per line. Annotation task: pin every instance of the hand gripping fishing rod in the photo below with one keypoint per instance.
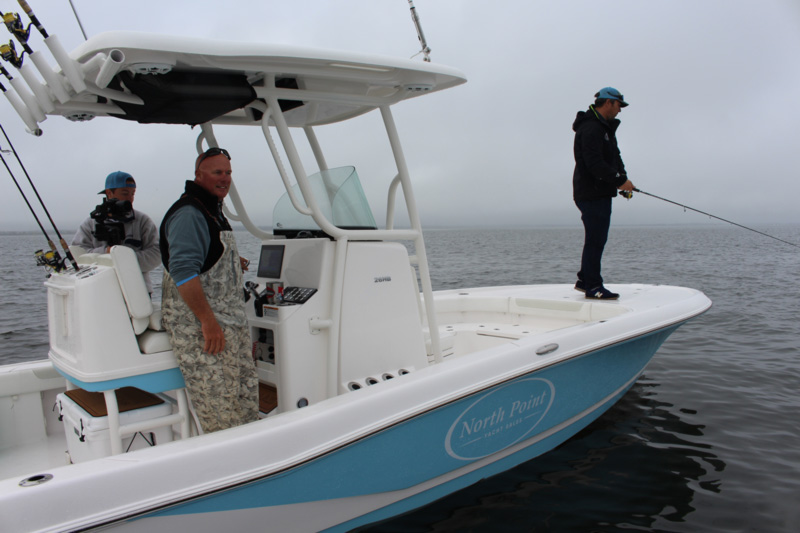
x,y
710,215
41,202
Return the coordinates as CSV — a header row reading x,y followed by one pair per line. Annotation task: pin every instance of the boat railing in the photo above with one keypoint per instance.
x,y
306,203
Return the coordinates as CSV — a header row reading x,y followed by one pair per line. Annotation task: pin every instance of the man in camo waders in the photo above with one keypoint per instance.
x,y
203,301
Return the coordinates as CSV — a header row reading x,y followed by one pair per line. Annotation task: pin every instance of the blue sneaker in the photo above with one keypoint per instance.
x,y
580,286
601,293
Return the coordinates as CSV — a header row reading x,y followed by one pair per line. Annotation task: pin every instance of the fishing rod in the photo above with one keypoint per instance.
x,y
31,113
629,195
16,28
41,202
19,106
35,21
68,66
51,258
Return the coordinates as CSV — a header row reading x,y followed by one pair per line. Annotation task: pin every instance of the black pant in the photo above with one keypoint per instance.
x,y
596,217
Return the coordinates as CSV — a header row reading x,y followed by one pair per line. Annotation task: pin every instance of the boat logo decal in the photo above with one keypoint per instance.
x,y
382,279
499,419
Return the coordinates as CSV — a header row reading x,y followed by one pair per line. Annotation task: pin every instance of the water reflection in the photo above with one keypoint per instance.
x,y
639,466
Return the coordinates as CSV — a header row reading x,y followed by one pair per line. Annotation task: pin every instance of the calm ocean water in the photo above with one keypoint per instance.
x,y
708,440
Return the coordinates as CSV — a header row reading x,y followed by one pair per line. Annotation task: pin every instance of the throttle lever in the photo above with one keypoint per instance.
x,y
250,288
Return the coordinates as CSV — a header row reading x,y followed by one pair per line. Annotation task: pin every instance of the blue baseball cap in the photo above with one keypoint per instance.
x,y
610,93
117,180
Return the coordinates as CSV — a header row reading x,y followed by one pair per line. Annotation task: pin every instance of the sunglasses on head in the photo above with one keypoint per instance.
x,y
211,152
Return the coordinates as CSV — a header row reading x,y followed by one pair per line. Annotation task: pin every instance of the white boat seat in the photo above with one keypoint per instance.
x,y
151,341
144,314
108,334
134,290
155,319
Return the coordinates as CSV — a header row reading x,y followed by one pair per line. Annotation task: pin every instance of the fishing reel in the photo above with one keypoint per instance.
x,y
15,26
50,260
110,218
9,53
626,194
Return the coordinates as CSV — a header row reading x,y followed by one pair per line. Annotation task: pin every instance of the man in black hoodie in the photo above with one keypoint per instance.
x,y
599,172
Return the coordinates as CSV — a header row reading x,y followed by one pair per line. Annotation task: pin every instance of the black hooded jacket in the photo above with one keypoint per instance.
x,y
598,165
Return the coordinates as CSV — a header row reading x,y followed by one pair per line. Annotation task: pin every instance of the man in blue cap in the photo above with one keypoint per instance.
x,y
599,173
116,222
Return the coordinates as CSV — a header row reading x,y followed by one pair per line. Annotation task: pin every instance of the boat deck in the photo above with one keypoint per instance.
x,y
51,451
477,319
21,460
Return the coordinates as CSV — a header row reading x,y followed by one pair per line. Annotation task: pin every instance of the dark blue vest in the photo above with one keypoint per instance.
x,y
211,208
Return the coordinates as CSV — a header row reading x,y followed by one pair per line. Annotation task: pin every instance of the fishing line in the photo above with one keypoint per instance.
x,y
41,202
46,236
718,218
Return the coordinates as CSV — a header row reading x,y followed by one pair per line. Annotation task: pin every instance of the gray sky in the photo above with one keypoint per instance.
x,y
713,88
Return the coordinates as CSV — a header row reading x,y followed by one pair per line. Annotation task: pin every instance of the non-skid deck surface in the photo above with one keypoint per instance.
x,y
128,399
267,397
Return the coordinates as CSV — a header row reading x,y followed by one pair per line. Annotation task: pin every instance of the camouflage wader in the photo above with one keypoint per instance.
x,y
223,388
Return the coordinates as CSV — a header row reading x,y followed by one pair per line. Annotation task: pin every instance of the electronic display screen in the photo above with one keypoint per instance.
x,y
271,261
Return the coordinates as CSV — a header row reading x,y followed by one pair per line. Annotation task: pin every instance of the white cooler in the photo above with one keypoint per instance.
x,y
88,435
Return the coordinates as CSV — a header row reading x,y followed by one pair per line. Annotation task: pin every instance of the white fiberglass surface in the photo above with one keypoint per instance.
x,y
46,453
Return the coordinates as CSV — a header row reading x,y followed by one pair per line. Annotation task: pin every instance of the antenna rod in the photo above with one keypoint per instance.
x,y
425,49
80,24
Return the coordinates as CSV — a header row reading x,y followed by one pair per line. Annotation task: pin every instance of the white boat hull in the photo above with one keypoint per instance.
x,y
367,455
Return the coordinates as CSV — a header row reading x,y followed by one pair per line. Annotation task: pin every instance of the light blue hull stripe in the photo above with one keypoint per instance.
x,y
452,437
501,465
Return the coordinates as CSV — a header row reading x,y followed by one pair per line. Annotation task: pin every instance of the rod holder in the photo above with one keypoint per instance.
x,y
52,79
68,65
29,100
23,112
111,66
43,97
